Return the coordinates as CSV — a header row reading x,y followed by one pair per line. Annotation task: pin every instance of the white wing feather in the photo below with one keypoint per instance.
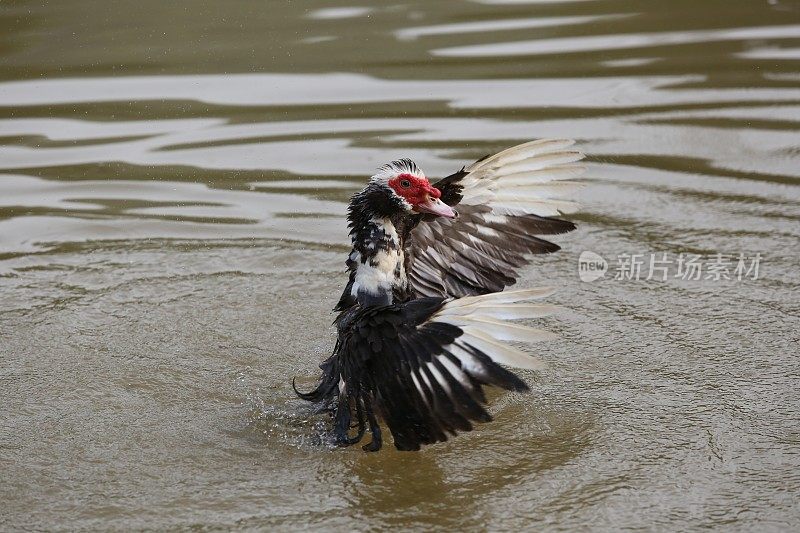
x,y
484,321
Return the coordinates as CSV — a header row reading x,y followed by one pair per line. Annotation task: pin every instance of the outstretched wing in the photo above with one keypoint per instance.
x,y
421,365
504,201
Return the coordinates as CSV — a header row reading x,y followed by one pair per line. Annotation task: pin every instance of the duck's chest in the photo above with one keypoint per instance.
x,y
380,263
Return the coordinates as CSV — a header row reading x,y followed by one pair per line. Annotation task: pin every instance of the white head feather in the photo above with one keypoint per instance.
x,y
395,168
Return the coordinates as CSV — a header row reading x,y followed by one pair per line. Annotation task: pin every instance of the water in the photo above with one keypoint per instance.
x,y
172,189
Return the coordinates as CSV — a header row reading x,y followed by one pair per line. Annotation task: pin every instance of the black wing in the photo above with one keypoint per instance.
x,y
504,201
421,365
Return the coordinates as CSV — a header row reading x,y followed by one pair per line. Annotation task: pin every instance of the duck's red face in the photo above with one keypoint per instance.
x,y
421,195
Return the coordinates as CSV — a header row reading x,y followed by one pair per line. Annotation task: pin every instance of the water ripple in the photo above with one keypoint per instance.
x,y
596,43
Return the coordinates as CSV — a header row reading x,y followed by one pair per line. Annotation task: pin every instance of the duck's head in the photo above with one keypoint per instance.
x,y
400,187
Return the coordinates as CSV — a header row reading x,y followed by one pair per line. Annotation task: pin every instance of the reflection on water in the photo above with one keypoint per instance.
x,y
617,42
173,180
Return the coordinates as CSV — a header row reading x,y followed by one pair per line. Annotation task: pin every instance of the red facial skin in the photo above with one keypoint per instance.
x,y
418,190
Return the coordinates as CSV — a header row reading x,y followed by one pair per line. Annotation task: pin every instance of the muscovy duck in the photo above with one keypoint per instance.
x,y
422,322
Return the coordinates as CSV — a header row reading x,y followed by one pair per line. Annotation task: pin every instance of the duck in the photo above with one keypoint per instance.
x,y
425,322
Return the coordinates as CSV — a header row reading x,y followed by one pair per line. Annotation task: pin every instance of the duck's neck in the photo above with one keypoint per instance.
x,y
379,261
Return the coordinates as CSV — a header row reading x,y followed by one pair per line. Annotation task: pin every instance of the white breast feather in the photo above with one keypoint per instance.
x,y
378,275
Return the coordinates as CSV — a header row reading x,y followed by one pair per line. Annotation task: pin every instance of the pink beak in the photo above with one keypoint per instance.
x,y
435,206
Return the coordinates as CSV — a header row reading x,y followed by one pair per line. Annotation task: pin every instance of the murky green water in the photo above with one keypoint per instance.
x,y
172,187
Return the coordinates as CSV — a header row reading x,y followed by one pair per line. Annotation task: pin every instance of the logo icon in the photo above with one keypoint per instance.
x,y
591,266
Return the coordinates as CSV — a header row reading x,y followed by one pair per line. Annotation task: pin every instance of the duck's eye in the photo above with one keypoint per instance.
x,y
405,184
